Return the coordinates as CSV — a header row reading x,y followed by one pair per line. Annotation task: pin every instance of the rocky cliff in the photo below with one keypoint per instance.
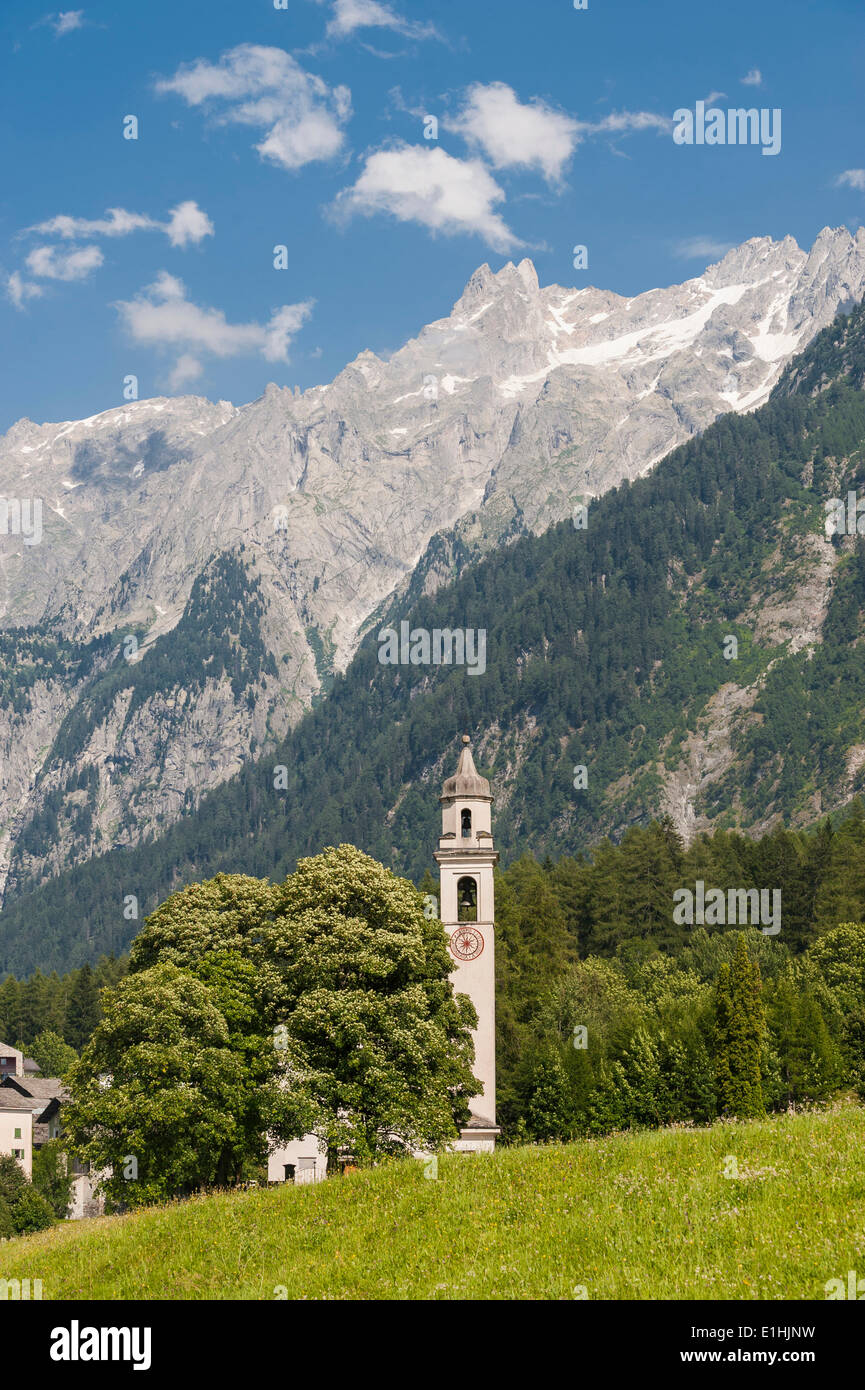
x,y
204,569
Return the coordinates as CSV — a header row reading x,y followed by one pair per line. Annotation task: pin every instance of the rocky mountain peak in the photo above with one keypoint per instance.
x,y
480,284
522,278
494,419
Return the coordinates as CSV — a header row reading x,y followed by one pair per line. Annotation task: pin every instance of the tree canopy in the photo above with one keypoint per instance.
x,y
255,1013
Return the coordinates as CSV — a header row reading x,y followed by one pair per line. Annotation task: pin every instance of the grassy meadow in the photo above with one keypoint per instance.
x,y
647,1215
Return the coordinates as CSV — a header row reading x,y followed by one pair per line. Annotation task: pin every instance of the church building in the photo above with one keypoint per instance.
x,y
466,858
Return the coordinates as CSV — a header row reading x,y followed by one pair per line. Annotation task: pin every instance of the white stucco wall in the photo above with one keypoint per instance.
x,y
86,1200
10,1120
476,978
309,1164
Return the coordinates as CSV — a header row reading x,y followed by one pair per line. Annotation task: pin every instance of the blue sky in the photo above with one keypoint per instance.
x,y
304,126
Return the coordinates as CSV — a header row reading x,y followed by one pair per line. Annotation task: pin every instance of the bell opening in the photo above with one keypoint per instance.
x,y
467,900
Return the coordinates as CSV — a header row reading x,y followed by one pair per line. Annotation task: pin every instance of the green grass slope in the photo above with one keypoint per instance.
x,y
634,1216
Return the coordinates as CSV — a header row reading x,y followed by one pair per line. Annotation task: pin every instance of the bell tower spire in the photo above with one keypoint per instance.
x,y
466,859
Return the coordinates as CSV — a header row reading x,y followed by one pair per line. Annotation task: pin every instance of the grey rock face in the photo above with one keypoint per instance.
x,y
495,419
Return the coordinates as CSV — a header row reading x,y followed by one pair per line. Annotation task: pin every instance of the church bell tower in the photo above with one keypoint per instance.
x,y
466,857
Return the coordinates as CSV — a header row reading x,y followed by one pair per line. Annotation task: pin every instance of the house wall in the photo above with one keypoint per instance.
x,y
85,1199
11,1061
474,1146
309,1164
10,1120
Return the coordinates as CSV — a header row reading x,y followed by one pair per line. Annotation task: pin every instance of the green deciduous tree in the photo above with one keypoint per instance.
x,y
7,1225
357,977
21,1206
548,1107
32,1212
13,1179
54,1056
160,1097
253,1010
52,1176
840,956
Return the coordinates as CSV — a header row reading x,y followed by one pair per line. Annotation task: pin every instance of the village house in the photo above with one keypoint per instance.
x,y
40,1099
16,1129
14,1063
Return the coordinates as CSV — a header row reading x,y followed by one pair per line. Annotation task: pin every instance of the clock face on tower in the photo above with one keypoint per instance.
x,y
466,943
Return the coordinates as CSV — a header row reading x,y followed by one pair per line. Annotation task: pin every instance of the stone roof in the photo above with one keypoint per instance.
x,y
43,1088
13,1100
467,781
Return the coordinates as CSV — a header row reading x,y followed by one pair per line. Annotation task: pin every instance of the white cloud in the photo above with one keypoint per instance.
x,y
754,78
65,22
514,134
243,71
622,122
186,223
851,178
187,368
293,142
281,329
703,248
166,286
417,184
116,222
162,316
349,15
55,263
713,97
303,118
19,290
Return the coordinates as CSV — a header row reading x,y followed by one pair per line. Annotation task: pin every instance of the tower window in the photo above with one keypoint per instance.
x,y
467,900
466,821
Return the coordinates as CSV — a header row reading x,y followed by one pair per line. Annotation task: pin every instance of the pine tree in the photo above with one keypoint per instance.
x,y
10,1011
84,1011
429,885
841,897
721,1055
740,1028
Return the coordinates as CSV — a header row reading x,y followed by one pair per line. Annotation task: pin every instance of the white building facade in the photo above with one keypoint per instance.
x,y
300,1162
466,859
16,1131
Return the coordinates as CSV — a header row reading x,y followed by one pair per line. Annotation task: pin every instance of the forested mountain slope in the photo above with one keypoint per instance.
x,y
607,648
276,529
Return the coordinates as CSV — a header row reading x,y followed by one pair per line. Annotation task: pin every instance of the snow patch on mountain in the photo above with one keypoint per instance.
x,y
492,420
